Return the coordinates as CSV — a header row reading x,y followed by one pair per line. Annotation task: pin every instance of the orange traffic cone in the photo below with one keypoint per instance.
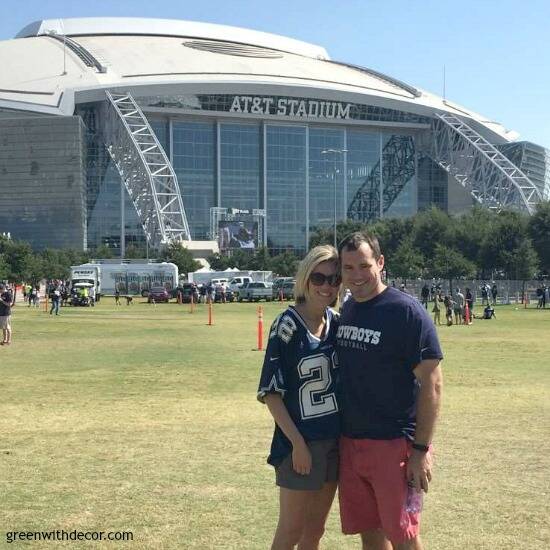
x,y
260,328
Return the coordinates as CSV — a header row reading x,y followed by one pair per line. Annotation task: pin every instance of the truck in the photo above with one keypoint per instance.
x,y
256,291
132,277
237,282
86,275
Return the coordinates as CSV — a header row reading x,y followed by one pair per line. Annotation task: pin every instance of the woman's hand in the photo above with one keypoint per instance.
x,y
301,458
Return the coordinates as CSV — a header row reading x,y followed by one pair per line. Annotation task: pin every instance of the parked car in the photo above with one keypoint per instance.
x,y
256,291
235,283
286,288
187,290
280,281
158,294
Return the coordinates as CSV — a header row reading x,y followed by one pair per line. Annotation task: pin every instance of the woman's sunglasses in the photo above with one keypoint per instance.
x,y
319,279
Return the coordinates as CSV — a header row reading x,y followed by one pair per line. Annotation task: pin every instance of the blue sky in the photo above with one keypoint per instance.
x,y
496,52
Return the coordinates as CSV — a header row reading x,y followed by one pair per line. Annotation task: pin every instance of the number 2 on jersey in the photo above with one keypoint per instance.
x,y
311,404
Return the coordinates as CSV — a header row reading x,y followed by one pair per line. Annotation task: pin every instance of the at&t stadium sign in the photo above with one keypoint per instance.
x,y
289,107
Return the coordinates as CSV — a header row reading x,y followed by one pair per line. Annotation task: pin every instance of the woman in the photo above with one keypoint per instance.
x,y
298,386
437,309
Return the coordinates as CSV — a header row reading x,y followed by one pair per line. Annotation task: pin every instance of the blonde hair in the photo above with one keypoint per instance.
x,y
317,255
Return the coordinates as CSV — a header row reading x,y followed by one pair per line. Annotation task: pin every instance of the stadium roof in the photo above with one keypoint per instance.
x,y
55,63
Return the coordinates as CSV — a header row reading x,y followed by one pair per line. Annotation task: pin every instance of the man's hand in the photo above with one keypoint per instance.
x,y
301,458
419,470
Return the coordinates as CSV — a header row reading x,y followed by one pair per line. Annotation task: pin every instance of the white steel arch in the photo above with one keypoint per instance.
x,y
145,170
493,179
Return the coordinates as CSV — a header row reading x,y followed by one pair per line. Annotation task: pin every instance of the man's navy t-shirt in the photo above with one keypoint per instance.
x,y
379,343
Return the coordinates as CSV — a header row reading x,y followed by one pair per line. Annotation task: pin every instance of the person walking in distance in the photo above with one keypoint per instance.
x,y
390,390
425,295
437,309
55,297
470,301
494,293
6,302
459,307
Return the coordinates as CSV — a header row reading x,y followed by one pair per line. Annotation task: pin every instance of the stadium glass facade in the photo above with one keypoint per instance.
x,y
283,168
321,140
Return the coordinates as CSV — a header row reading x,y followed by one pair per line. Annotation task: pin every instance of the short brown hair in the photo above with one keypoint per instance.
x,y
354,240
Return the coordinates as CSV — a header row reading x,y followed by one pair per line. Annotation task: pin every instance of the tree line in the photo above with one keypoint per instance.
x,y
479,244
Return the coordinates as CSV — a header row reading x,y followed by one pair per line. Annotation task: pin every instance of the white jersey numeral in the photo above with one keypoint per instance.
x,y
311,403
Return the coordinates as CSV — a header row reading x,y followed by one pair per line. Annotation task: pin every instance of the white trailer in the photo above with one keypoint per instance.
x,y
134,277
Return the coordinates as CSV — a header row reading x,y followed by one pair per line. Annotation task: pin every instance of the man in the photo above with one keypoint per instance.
x,y
459,307
425,295
391,383
6,300
470,301
55,296
91,295
494,293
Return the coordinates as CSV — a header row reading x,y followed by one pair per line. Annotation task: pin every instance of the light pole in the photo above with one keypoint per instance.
x,y
335,152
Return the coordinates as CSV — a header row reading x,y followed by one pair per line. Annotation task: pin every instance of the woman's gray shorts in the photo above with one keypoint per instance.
x,y
324,467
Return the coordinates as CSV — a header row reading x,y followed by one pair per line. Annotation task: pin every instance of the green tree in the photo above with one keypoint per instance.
x,y
325,235
391,232
470,230
20,260
539,231
54,264
450,264
4,268
218,262
430,228
260,260
103,252
135,252
507,247
181,256
406,262
285,264
239,258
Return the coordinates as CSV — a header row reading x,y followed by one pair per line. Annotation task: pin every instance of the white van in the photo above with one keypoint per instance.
x,y
236,282
216,282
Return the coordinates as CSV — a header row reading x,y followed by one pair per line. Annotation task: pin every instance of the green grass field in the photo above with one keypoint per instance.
x,y
145,419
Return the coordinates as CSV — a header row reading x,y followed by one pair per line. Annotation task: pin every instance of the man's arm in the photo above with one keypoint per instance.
x,y
428,373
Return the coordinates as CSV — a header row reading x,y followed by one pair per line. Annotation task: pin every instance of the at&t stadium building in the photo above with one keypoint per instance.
x,y
117,130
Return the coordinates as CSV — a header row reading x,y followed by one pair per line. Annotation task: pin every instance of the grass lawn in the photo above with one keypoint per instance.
x,y
145,419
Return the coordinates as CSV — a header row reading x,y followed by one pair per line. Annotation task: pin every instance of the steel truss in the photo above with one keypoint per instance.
x,y
494,180
398,167
145,171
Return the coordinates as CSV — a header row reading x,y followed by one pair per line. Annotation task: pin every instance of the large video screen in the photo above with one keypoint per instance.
x,y
237,234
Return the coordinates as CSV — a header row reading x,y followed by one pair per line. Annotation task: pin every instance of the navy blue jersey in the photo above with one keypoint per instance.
x,y
301,367
379,343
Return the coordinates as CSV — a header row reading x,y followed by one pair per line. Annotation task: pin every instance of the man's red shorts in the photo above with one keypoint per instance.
x,y
373,488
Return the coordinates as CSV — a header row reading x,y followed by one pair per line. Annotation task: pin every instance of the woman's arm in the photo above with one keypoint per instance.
x,y
301,457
